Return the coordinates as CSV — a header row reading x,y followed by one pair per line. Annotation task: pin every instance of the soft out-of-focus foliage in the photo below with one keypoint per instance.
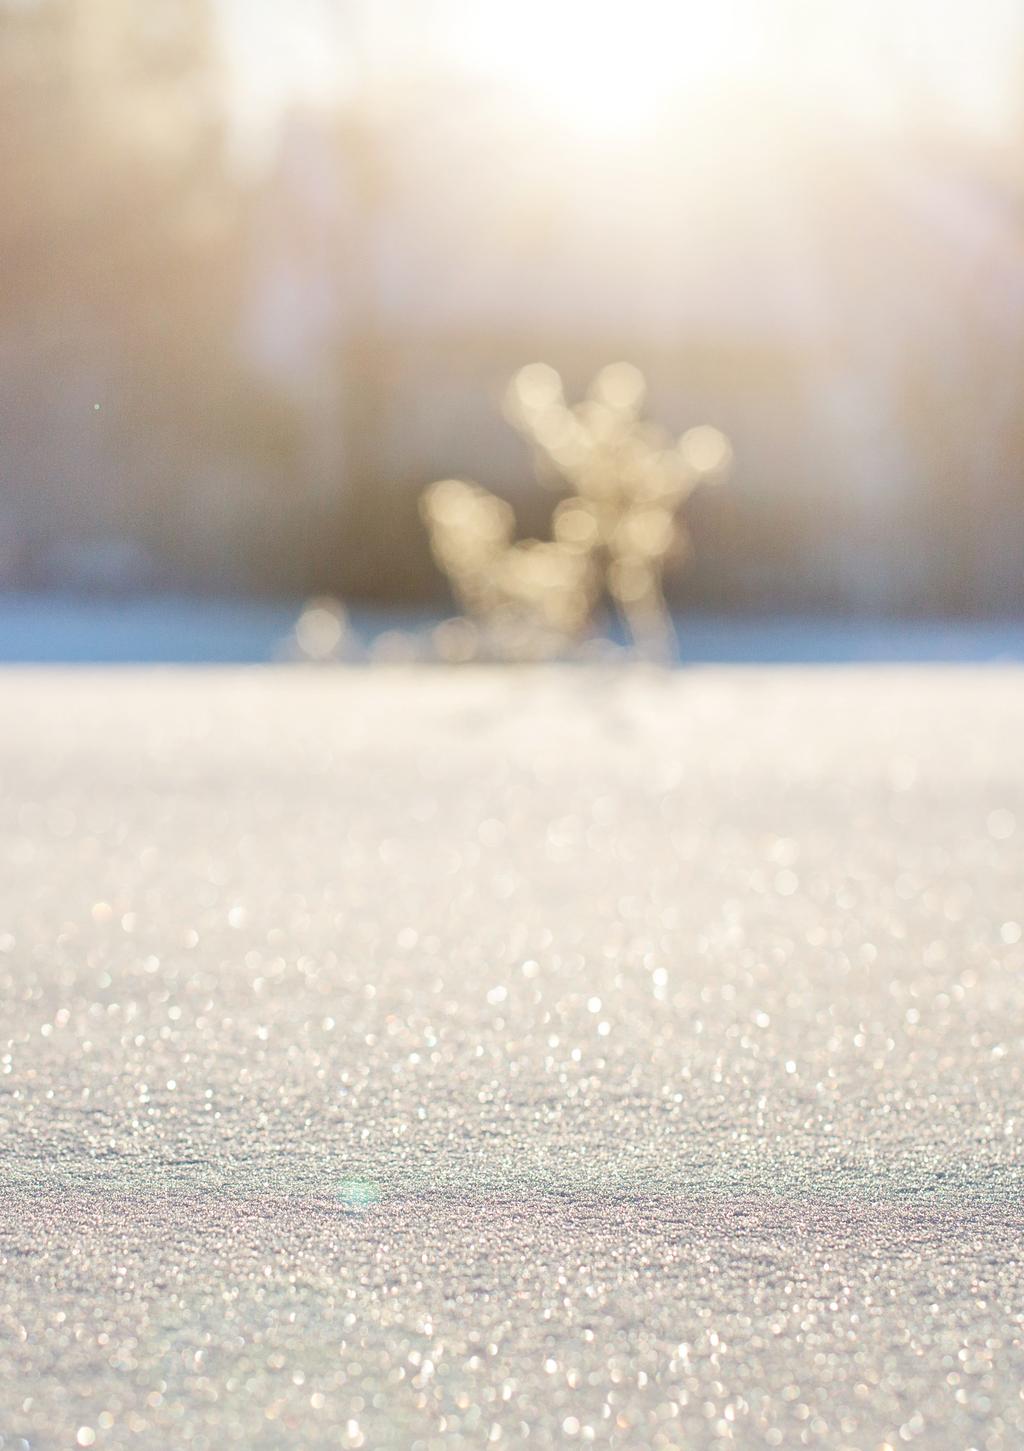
x,y
625,478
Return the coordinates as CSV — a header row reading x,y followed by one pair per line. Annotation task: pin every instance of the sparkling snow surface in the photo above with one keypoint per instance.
x,y
400,1059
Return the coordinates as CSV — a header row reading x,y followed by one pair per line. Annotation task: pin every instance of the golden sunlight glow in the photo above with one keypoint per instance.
x,y
609,69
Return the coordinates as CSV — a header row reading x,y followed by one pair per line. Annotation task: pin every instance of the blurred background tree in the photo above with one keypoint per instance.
x,y
126,418
265,271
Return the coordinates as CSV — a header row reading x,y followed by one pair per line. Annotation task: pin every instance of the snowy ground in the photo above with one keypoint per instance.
x,y
400,1059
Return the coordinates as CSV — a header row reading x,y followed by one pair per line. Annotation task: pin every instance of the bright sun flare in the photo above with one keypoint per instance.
x,y
607,69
